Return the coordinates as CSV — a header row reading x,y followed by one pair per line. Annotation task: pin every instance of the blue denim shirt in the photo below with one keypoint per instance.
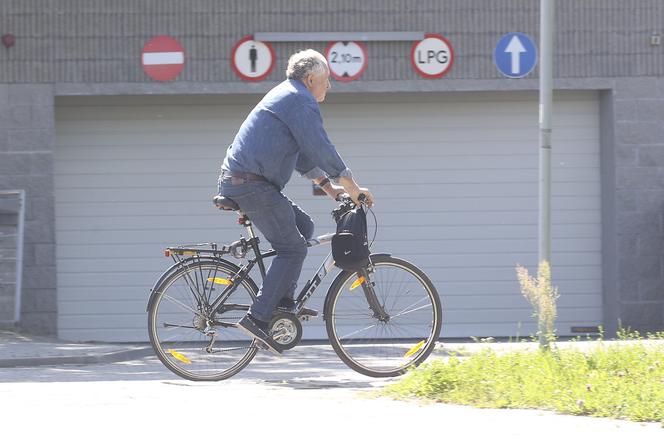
x,y
284,132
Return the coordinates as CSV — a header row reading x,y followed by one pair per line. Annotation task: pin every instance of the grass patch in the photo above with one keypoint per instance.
x,y
619,380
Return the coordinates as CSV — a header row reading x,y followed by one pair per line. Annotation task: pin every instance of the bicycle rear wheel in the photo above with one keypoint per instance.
x,y
181,327
388,346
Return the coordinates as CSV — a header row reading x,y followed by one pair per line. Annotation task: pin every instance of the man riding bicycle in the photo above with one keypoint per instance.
x,y
283,133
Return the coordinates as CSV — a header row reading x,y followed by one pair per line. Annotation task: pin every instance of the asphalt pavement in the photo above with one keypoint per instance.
x,y
125,383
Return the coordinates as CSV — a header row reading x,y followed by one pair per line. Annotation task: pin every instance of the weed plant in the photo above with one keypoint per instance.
x,y
542,296
620,380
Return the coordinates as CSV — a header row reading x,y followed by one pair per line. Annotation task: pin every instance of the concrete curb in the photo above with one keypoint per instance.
x,y
86,359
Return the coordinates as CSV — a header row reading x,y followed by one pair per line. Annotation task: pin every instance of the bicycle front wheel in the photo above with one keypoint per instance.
x,y
191,341
402,337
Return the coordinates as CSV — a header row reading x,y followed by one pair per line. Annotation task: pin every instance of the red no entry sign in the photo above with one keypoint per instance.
x,y
162,58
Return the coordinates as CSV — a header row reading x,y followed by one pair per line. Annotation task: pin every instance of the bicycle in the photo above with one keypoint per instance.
x,y
194,307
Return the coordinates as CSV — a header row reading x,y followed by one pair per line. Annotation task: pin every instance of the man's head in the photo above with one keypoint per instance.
x,y
310,67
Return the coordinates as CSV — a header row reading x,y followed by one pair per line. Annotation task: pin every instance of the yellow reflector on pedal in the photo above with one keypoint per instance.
x,y
357,283
414,349
220,281
179,356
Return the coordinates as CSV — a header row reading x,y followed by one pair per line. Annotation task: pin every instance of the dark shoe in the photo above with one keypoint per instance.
x,y
288,305
249,326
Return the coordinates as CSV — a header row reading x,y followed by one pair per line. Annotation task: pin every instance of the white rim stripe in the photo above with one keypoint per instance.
x,y
163,58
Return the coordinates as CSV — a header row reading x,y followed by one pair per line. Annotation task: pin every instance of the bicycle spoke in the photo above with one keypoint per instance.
x,y
412,310
179,303
367,316
357,332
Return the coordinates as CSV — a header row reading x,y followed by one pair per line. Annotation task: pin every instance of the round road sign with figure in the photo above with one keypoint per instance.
x,y
347,60
252,60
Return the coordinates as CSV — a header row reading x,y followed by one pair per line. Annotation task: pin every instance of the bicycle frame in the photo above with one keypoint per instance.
x,y
238,249
308,289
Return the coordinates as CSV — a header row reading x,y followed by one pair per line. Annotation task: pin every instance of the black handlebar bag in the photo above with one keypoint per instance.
x,y
350,244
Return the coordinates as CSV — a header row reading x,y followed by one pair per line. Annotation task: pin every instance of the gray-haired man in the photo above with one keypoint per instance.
x,y
283,133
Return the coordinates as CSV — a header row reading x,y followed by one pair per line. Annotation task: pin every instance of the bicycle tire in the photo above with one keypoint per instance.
x,y
172,300
384,348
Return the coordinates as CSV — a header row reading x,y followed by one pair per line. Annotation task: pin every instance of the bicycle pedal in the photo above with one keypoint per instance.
x,y
309,313
305,312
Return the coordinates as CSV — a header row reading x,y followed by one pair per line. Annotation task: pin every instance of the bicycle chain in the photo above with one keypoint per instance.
x,y
233,349
228,350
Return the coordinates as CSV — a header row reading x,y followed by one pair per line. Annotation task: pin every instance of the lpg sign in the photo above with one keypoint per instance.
x,y
432,57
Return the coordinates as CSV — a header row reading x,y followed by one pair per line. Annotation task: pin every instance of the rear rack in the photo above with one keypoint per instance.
x,y
238,249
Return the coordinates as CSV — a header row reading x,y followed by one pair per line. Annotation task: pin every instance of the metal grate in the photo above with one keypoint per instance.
x,y
12,210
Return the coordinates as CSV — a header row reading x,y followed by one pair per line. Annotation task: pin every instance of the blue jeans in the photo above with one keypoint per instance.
x,y
286,227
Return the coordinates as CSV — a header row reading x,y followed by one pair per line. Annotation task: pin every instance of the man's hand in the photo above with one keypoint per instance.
x,y
354,191
368,197
349,187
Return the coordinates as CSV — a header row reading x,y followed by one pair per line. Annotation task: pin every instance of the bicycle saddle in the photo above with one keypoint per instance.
x,y
225,203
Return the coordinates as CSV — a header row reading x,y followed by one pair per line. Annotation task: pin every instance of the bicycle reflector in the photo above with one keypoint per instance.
x,y
179,356
220,281
414,349
357,283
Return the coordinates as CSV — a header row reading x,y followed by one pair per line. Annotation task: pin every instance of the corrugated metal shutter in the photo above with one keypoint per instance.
x,y
454,175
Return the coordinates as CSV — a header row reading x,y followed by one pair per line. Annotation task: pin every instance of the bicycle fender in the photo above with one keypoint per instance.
x,y
170,270
343,275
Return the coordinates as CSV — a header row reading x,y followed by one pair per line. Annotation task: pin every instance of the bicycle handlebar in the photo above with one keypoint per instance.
x,y
346,204
342,196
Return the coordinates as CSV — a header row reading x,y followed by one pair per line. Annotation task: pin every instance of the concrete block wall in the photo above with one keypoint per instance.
x,y
27,138
639,201
100,41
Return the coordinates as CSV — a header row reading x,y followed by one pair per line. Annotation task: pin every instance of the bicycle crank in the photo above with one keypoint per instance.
x,y
286,329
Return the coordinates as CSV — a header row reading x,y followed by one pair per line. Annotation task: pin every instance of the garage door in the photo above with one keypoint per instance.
x,y
454,175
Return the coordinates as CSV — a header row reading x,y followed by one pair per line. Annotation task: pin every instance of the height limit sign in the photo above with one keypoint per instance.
x,y
432,57
347,60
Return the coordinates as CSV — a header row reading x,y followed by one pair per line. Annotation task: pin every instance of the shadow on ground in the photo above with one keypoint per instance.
x,y
305,367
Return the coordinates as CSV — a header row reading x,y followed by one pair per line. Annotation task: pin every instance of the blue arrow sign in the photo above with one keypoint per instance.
x,y
515,55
